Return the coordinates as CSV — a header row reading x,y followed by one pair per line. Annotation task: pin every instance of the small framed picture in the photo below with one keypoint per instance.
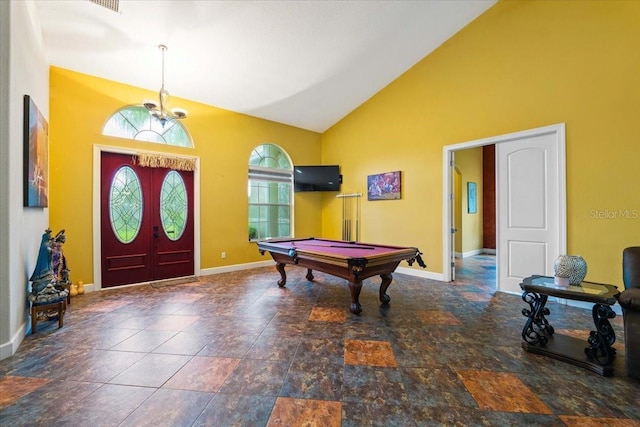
x,y
36,156
384,186
472,198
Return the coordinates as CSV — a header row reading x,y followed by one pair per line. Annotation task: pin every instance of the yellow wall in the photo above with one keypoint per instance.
x,y
521,65
79,107
469,162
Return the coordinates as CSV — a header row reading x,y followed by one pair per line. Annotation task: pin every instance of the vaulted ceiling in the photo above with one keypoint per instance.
x,y
302,63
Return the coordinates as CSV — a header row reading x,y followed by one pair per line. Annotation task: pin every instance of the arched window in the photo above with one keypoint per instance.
x,y
270,193
135,122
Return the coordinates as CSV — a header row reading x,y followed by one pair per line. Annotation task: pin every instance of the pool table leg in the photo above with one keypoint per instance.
x,y
355,288
386,281
283,275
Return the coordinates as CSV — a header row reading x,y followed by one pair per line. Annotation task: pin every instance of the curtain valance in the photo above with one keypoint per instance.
x,y
162,161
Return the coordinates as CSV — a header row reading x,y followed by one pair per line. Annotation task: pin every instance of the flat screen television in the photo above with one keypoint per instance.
x,y
316,178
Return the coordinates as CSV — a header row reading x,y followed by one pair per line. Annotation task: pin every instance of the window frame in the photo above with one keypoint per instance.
x,y
270,175
148,130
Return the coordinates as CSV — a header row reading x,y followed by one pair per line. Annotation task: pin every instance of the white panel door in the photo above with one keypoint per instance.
x,y
530,197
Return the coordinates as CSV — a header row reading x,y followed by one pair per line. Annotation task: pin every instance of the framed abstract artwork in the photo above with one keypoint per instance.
x,y
472,198
384,186
36,156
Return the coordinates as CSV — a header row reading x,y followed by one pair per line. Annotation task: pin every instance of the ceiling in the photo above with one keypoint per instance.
x,y
303,63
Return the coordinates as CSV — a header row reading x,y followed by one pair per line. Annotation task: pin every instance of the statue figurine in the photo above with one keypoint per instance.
x,y
43,272
59,261
50,276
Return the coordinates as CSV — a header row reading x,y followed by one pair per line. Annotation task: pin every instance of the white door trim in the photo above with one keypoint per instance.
x,y
97,239
559,130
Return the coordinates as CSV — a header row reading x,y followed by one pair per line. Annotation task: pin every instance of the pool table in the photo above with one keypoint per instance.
x,y
353,261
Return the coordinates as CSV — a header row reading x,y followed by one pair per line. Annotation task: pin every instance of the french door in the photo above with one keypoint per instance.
x,y
146,222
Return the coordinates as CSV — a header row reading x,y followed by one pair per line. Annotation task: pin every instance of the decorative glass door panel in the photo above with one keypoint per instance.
x,y
173,205
125,204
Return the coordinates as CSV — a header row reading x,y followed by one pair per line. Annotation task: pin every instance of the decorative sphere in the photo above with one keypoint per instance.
x,y
573,267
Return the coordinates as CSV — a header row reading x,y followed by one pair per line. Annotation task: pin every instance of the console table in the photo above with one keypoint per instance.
x,y
538,334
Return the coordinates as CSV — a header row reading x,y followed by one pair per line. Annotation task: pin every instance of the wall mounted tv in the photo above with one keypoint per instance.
x,y
316,178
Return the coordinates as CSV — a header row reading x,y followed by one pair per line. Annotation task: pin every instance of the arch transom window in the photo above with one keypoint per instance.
x,y
270,193
135,122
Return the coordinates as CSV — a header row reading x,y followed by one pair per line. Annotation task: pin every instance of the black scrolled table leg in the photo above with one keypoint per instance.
x,y
603,337
537,327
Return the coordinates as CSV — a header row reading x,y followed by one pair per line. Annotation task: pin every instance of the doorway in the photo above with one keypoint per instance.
x,y
146,221
474,217
530,186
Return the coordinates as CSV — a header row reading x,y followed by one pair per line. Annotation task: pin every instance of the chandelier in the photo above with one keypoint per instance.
x,y
160,112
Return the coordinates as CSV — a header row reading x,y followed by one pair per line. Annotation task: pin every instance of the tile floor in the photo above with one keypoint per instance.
x,y
235,350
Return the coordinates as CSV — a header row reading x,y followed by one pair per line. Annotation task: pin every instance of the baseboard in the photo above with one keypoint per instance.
x,y
10,347
472,253
6,349
90,287
483,251
236,267
420,273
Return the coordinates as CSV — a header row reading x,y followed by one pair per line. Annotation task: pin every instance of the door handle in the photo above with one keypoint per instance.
x,y
155,231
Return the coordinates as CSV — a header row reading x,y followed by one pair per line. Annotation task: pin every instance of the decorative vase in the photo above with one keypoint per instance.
x,y
80,288
572,267
73,290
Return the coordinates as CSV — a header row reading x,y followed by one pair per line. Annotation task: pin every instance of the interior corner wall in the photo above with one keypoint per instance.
x,y
521,65
5,306
24,71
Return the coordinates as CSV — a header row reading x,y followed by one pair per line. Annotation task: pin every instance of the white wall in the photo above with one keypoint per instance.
x,y
4,179
24,70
